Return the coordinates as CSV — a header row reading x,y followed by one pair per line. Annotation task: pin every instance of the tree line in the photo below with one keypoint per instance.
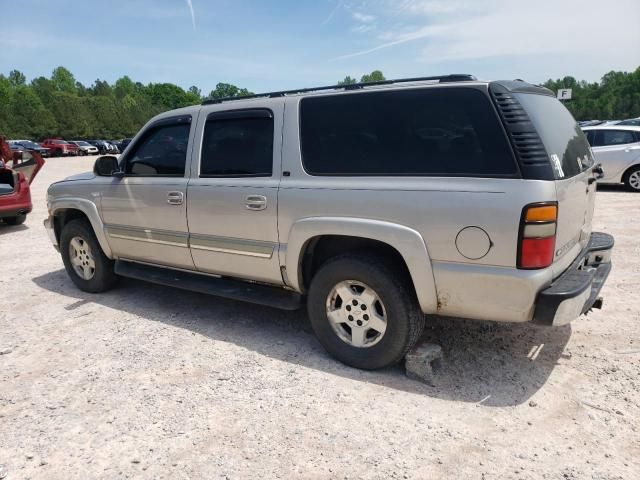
x,y
60,106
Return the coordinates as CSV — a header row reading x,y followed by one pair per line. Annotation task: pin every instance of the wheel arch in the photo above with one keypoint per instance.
x,y
68,209
629,170
407,244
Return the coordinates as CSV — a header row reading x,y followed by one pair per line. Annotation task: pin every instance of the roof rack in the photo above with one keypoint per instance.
x,y
455,77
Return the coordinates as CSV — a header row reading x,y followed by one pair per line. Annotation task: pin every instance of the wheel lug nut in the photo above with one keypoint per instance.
x,y
348,308
355,302
363,306
350,318
359,322
366,317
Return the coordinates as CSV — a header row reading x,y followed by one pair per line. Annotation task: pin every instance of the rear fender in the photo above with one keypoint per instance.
x,y
408,242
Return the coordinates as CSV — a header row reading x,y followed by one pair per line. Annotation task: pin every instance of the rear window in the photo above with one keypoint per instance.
x,y
426,132
564,141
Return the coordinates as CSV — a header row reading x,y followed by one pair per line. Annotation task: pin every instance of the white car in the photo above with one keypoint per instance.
x,y
617,148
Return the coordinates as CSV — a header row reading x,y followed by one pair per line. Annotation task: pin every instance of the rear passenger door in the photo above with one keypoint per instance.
x,y
233,192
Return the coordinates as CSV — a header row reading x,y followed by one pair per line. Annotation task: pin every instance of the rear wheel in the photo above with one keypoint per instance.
x,y
632,179
84,260
17,220
363,311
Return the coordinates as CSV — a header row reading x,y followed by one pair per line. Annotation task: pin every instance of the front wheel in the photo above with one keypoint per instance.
x,y
364,311
632,180
84,260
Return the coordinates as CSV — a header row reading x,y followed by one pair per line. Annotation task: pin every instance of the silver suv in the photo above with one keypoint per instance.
x,y
373,203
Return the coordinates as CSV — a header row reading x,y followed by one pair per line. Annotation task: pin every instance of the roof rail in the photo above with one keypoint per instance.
x,y
455,77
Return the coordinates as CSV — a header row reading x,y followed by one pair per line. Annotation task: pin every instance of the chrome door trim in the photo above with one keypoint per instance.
x,y
236,246
162,237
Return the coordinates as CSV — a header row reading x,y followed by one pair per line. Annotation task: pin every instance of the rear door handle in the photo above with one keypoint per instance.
x,y
175,198
256,202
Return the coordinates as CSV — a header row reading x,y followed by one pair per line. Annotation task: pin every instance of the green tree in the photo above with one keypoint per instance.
x,y
17,78
375,76
348,80
63,80
226,90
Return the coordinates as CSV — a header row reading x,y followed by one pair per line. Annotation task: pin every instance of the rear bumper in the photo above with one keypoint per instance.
x,y
576,291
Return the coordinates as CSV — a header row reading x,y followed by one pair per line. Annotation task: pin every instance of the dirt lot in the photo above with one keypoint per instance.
x,y
152,382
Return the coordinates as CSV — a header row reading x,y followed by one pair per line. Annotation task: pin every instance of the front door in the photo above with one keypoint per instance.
x,y
233,193
145,212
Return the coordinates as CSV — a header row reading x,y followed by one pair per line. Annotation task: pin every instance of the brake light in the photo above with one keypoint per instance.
x,y
537,239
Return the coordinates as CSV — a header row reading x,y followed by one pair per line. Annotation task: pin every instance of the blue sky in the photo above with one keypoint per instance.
x,y
274,45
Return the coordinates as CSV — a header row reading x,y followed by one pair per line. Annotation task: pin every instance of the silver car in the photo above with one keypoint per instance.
x,y
374,204
617,149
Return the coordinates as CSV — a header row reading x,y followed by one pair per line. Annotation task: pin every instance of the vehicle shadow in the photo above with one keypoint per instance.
x,y
612,188
487,362
4,228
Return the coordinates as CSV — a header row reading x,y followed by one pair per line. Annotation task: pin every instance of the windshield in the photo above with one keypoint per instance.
x,y
562,137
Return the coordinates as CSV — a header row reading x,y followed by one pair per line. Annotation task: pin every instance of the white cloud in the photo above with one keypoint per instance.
x,y
193,15
363,17
465,29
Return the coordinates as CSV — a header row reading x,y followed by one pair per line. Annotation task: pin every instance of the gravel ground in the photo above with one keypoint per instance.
x,y
151,382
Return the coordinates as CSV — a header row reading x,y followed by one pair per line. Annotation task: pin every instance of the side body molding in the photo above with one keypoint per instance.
x,y
90,210
405,240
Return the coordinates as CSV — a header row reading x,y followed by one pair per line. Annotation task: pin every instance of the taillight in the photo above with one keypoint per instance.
x,y
537,239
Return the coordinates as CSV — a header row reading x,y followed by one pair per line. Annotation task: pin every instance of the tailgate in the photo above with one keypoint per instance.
x,y
572,162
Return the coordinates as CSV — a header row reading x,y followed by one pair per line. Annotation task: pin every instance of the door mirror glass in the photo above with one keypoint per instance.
x,y
106,166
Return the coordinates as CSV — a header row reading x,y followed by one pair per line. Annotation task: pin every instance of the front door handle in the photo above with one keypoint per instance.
x,y
175,198
256,202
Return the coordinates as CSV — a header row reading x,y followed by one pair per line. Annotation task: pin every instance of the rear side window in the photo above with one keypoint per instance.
x,y
237,147
563,139
605,138
427,132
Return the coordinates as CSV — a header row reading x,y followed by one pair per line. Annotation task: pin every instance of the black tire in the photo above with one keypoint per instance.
x,y
627,179
17,220
59,153
405,320
104,277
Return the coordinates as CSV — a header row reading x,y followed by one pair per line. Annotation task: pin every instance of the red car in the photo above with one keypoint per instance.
x,y
59,148
15,178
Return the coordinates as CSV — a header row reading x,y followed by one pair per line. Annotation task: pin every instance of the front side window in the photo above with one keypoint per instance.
x,y
421,132
607,138
234,147
161,151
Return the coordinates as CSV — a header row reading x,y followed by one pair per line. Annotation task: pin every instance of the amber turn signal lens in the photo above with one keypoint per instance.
x,y
546,213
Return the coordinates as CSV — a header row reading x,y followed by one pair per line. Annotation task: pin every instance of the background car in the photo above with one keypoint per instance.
x,y
59,147
104,147
124,144
30,146
15,177
632,122
85,148
617,148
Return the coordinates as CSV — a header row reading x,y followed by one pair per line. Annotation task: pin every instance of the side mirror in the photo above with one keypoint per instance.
x,y
106,166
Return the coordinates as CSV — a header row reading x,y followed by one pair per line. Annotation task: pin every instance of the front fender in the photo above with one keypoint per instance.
x,y
90,210
408,242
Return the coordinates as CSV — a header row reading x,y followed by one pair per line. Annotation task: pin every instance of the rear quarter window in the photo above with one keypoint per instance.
x,y
564,141
421,132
